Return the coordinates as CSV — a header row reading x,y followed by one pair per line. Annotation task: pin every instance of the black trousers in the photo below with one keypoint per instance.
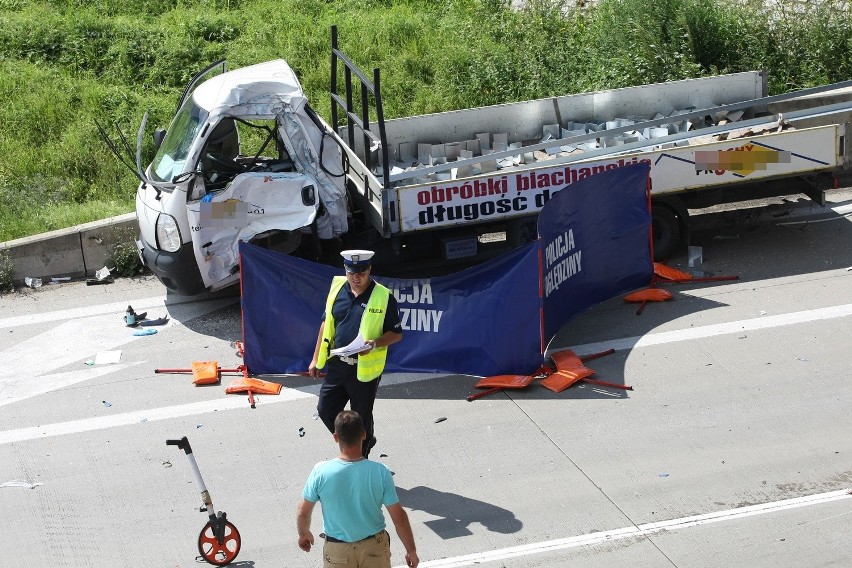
x,y
341,385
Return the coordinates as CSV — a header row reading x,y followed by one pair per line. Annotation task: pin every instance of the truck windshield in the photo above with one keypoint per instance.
x,y
171,156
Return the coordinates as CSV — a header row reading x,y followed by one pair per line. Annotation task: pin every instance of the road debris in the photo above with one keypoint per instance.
x,y
107,357
102,276
24,484
131,318
695,255
142,332
103,273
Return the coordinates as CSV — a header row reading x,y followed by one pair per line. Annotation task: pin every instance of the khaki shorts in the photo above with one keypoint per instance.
x,y
372,552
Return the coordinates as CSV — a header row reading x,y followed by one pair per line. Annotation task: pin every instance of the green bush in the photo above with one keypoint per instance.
x,y
123,255
6,271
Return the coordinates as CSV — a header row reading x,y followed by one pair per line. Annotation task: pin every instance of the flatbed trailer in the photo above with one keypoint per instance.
x,y
444,180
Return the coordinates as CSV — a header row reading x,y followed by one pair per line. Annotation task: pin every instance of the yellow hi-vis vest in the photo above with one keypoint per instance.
x,y
370,365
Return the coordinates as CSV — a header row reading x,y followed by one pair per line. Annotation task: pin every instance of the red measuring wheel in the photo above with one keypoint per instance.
x,y
215,551
219,541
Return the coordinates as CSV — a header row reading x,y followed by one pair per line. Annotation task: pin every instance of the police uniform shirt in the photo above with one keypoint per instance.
x,y
348,310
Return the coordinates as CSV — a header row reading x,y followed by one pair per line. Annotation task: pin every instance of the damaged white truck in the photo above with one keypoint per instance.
x,y
246,158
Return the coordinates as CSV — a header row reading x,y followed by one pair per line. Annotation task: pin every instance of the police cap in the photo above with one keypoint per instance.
x,y
356,260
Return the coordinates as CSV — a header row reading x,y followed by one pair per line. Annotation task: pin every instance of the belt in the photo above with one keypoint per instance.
x,y
348,360
337,540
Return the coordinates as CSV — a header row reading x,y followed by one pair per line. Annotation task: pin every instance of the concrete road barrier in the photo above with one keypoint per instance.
x,y
76,251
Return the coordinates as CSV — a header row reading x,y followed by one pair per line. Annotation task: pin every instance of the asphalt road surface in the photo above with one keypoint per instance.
x,y
732,449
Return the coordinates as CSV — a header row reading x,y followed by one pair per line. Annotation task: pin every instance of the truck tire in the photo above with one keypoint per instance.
x,y
666,229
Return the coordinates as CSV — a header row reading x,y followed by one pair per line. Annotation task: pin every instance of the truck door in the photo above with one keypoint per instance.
x,y
247,187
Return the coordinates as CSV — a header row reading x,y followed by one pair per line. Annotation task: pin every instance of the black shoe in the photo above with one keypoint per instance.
x,y
368,445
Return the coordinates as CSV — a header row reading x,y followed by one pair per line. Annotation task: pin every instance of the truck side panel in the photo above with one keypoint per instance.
x,y
518,192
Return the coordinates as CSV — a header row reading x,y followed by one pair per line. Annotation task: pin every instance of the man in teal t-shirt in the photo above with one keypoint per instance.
x,y
352,490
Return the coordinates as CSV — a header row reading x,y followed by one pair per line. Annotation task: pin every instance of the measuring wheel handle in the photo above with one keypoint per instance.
x,y
182,444
219,541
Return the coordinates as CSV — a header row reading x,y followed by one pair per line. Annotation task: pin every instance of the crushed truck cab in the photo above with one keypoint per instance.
x,y
244,158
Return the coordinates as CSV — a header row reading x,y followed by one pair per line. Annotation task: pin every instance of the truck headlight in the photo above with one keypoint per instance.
x,y
168,234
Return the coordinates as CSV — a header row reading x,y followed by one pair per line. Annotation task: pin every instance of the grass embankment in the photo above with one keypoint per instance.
x,y
64,64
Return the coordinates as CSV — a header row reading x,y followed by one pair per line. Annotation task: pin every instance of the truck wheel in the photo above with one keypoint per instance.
x,y
665,227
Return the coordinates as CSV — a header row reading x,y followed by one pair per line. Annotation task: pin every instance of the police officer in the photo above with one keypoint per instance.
x,y
356,304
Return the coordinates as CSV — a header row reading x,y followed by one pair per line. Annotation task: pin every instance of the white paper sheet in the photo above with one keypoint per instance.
x,y
357,346
107,357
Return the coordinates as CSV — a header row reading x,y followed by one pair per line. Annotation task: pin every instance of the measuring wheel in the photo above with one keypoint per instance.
x,y
219,541
214,552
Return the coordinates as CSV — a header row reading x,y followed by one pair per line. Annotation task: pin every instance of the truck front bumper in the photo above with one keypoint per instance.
x,y
178,271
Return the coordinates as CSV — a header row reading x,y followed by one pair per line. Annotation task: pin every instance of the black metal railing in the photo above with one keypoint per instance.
x,y
359,118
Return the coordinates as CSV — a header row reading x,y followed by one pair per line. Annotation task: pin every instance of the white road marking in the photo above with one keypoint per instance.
x,y
117,308
136,417
764,322
13,391
229,402
28,366
67,343
20,358
636,531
